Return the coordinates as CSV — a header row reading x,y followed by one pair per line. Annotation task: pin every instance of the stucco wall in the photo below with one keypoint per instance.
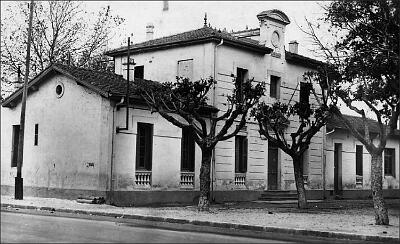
x,y
73,142
348,171
162,65
166,153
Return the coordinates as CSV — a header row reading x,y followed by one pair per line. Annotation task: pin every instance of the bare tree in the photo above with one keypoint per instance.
x,y
364,74
274,119
182,103
62,32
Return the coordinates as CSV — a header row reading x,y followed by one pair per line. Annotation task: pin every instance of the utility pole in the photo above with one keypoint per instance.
x,y
128,63
18,194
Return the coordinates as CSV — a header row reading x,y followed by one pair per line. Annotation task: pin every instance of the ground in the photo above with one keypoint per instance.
x,y
340,216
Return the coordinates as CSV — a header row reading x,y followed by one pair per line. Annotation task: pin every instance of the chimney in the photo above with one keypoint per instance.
x,y
165,6
294,47
149,31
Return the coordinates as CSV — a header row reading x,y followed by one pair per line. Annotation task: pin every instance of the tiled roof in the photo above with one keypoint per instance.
x,y
106,83
336,123
300,59
205,34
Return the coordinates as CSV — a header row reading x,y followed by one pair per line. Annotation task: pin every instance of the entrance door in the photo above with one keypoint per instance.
x,y
338,168
272,167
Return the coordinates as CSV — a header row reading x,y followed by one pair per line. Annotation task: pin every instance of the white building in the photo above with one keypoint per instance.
x,y
73,147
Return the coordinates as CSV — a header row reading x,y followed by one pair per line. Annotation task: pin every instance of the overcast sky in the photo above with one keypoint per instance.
x,y
188,15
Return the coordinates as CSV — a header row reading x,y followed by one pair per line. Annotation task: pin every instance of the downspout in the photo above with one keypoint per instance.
x,y
323,161
111,200
214,97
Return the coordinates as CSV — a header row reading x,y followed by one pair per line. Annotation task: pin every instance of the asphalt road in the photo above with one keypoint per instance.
x,y
23,227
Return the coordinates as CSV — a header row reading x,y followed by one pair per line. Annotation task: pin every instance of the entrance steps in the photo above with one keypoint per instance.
x,y
278,195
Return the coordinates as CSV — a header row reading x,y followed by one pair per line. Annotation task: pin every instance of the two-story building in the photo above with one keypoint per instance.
x,y
74,144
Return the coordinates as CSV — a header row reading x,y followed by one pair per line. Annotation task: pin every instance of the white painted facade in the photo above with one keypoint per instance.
x,y
347,167
79,148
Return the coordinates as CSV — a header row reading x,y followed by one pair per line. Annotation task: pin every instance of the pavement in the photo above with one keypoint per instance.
x,y
342,219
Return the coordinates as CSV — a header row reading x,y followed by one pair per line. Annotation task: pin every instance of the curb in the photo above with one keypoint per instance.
x,y
315,233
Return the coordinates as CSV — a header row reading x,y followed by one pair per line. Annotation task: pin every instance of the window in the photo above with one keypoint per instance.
x,y
185,69
274,86
241,76
188,146
305,159
305,89
14,148
240,154
144,146
389,161
60,90
36,134
139,72
359,160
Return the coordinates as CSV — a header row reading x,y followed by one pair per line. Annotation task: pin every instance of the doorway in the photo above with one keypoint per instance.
x,y
272,166
337,175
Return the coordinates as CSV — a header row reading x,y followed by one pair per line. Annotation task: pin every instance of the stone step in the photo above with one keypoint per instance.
x,y
278,198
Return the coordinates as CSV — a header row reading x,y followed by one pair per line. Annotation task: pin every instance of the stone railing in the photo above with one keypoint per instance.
x,y
187,179
359,181
143,178
240,179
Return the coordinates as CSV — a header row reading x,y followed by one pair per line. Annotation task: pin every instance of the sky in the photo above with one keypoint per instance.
x,y
188,15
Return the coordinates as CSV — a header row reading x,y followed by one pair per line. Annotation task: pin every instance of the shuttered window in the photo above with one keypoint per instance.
x,y
14,148
185,69
359,160
36,139
274,86
188,150
240,154
241,76
389,161
144,146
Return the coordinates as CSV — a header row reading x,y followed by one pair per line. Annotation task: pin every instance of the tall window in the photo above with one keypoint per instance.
x,y
389,161
274,86
185,68
359,160
240,154
305,89
188,147
144,146
14,148
241,76
304,159
36,140
139,72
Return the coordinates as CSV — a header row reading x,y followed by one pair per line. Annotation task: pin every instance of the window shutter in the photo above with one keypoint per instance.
x,y
185,68
245,146
237,154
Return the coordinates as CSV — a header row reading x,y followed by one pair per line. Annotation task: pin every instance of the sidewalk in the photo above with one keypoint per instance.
x,y
347,219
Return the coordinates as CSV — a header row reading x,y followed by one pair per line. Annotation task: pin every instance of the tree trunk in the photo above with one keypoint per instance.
x,y
204,200
381,213
298,177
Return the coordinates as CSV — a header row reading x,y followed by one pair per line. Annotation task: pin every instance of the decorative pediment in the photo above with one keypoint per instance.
x,y
275,15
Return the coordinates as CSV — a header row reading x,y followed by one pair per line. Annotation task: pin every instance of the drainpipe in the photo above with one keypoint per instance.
x,y
323,161
112,157
330,132
214,97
